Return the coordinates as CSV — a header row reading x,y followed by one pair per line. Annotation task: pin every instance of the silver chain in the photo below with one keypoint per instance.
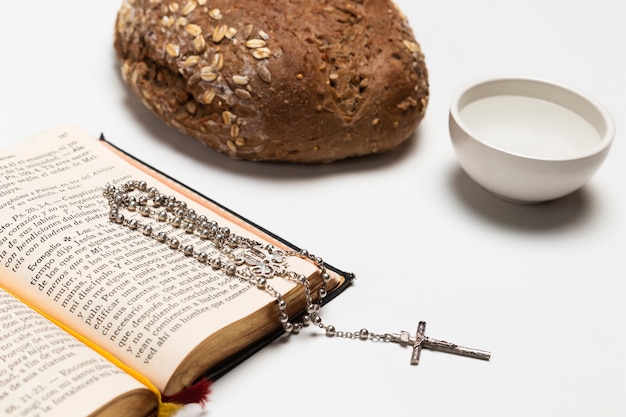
x,y
249,260
237,256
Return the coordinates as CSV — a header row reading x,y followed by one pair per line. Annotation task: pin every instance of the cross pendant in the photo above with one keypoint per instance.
x,y
421,341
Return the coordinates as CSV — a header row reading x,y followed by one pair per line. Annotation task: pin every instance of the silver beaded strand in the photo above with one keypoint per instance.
x,y
151,204
249,261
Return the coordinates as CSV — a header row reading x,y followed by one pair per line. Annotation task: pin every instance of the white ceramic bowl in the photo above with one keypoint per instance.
x,y
528,140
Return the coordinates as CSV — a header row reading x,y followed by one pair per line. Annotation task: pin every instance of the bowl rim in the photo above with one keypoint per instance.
x,y
605,140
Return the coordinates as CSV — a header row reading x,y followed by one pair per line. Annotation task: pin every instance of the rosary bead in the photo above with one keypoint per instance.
x,y
202,257
261,282
306,320
188,250
142,185
147,230
364,334
325,277
161,237
316,319
313,308
231,269
284,318
176,222
119,219
189,227
323,293
331,331
216,263
282,305
288,327
162,216
133,224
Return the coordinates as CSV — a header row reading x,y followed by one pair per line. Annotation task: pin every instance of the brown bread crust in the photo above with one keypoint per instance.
x,y
286,80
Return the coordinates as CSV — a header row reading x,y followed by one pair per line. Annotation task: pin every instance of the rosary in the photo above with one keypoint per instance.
x,y
250,261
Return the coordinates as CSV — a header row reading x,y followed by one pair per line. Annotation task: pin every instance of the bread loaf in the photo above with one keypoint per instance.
x,y
303,81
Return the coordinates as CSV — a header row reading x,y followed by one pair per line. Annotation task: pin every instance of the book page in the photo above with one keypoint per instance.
x,y
46,371
134,297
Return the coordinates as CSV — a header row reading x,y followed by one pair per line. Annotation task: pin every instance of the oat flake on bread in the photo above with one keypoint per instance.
x,y
285,80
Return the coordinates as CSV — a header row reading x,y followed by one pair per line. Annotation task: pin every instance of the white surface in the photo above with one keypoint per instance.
x,y
539,286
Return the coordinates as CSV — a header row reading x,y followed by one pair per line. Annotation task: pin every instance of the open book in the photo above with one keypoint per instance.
x,y
100,320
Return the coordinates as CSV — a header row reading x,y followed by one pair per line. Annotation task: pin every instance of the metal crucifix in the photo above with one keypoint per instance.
x,y
421,341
